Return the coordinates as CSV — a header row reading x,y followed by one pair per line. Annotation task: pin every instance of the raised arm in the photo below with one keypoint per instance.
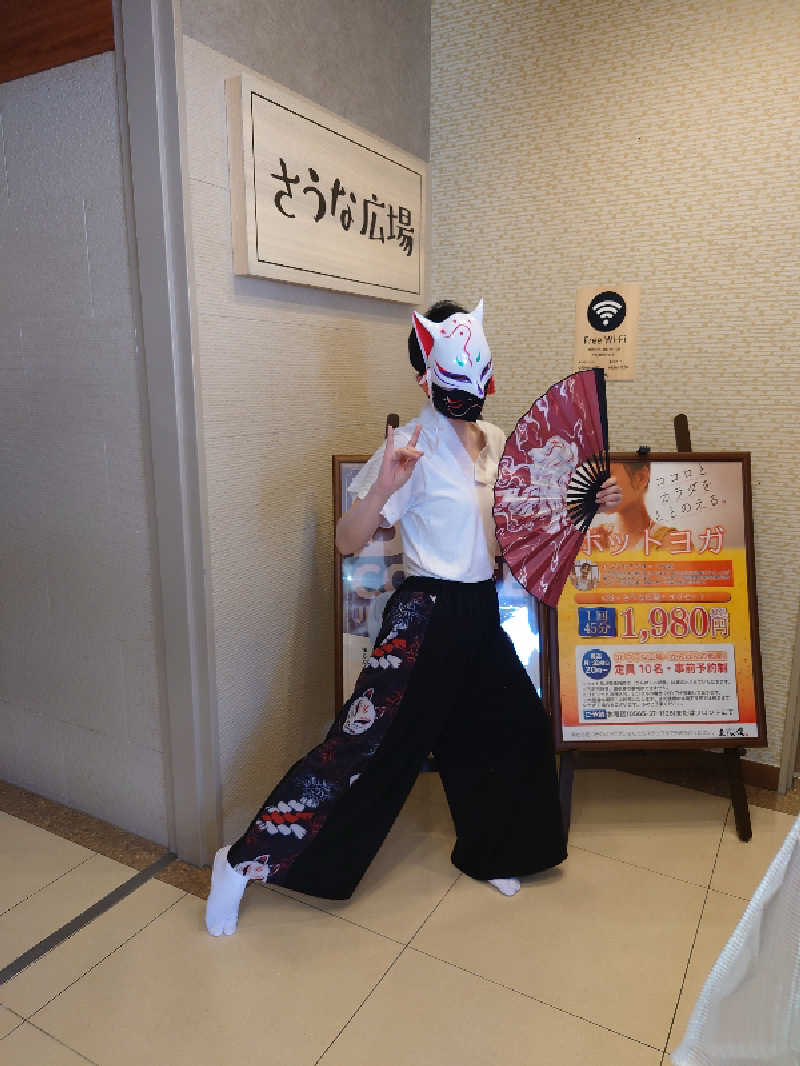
x,y
360,521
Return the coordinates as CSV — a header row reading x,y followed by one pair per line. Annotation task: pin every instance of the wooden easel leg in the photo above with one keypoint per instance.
x,y
566,775
741,810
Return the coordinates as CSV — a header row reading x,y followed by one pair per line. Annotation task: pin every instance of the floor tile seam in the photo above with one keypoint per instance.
x,y
74,1051
366,998
730,895
83,919
714,870
20,1021
49,884
638,866
696,934
330,914
428,917
10,1031
99,962
535,999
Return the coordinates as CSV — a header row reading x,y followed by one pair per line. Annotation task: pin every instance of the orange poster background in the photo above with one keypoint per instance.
x,y
729,591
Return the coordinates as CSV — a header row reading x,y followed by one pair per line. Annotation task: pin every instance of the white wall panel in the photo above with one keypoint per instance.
x,y
79,699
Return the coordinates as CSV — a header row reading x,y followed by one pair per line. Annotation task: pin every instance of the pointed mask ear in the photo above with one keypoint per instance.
x,y
478,312
424,331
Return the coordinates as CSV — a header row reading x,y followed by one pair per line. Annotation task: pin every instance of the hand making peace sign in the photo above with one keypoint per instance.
x,y
398,464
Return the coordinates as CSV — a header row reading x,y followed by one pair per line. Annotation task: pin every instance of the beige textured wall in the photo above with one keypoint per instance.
x,y
583,140
289,376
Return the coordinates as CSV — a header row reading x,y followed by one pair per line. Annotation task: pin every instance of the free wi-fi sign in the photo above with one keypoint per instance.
x,y
606,321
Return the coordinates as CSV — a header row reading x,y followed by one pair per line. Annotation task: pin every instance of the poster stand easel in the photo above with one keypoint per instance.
x,y
732,755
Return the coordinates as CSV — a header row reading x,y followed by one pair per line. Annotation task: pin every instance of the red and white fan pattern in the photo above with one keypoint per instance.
x,y
558,448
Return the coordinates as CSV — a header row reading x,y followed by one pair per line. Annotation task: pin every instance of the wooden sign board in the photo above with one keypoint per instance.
x,y
656,640
606,328
318,201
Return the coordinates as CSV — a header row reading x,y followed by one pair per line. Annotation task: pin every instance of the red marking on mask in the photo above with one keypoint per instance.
x,y
462,325
423,336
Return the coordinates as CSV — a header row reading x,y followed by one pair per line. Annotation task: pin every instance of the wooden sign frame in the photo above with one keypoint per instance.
x,y
316,200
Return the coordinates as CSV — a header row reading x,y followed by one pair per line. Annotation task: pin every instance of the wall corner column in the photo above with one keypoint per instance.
x,y
148,47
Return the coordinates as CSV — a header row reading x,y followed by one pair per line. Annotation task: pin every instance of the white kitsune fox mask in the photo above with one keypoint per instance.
x,y
457,354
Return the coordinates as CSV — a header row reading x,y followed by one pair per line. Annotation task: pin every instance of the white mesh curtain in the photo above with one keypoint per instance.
x,y
748,1013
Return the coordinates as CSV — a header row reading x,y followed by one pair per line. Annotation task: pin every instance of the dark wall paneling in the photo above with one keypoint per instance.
x,y
40,34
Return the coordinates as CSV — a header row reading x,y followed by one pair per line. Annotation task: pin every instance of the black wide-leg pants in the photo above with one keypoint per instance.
x,y
443,677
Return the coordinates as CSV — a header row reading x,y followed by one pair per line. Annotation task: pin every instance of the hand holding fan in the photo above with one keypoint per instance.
x,y
551,469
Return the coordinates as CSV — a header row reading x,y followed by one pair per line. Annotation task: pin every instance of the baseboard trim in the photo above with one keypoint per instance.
x,y
683,763
760,774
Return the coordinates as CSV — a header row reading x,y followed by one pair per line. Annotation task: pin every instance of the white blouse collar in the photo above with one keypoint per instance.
x,y
437,427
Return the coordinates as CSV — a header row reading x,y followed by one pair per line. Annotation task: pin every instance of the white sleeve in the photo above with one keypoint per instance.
x,y
398,503
367,475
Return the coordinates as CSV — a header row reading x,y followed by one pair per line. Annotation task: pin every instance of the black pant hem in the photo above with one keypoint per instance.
x,y
490,873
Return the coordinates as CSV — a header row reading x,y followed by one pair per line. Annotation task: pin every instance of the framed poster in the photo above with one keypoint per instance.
x,y
363,583
655,639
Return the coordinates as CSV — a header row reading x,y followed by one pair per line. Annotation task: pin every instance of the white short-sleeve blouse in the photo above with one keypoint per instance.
x,y
444,511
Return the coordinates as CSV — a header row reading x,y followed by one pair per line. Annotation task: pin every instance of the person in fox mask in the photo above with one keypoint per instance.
x,y
443,677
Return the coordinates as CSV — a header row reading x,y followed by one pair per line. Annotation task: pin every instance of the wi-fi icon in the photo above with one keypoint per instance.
x,y
606,311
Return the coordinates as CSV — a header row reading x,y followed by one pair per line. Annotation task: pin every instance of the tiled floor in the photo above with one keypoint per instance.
x,y
598,962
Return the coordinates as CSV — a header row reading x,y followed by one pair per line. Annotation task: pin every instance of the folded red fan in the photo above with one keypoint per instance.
x,y
551,469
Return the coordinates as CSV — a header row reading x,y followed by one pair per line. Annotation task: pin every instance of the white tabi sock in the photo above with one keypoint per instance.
x,y
227,888
509,886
